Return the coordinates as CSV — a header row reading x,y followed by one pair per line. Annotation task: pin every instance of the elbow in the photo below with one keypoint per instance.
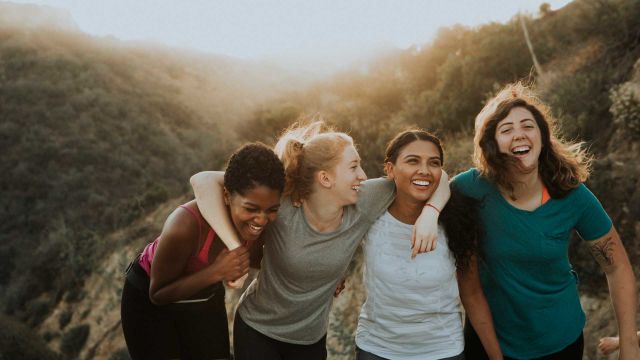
x,y
197,179
156,299
205,179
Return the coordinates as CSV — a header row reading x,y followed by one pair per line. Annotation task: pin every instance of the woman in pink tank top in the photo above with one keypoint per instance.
x,y
173,297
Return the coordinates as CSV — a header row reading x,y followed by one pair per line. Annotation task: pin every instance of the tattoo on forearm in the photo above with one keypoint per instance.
x,y
603,251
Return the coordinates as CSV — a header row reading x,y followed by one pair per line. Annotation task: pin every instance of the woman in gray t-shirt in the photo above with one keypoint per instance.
x,y
284,313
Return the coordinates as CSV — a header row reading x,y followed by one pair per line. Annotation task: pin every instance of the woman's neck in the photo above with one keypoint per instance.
x,y
406,210
322,214
527,191
526,184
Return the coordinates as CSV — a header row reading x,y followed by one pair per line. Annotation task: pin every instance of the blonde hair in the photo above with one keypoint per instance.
x,y
305,150
562,165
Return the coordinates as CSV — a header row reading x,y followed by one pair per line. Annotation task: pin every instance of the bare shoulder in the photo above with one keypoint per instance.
x,y
181,225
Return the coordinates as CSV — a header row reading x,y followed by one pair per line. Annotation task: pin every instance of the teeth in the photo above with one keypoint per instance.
x,y
255,228
355,187
421,182
521,149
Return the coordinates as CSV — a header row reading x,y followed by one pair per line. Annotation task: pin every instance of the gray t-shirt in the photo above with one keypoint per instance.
x,y
291,298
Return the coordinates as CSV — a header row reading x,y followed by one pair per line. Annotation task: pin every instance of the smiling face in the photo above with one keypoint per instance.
x,y
347,176
518,135
416,171
251,212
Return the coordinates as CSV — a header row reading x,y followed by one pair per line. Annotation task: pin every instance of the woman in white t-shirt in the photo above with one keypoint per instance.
x,y
413,307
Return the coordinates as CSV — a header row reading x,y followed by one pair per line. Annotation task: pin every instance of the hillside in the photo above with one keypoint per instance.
x,y
100,136
94,133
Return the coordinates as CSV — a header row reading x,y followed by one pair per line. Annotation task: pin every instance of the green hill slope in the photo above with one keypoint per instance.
x,y
94,133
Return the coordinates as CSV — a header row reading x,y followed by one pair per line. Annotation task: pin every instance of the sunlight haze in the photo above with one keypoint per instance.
x,y
329,33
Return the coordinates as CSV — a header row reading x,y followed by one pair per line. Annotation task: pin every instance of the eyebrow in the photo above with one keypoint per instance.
x,y
505,123
408,156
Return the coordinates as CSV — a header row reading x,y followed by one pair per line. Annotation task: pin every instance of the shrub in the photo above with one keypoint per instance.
x,y
120,354
625,108
73,340
64,318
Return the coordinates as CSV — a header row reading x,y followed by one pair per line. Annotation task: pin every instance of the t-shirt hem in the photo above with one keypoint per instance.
x,y
391,355
268,334
534,355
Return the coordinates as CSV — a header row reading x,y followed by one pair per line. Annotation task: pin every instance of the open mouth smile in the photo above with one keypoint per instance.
x,y
521,150
421,183
255,229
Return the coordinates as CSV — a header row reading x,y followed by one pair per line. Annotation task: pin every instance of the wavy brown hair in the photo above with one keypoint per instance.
x,y
562,165
305,150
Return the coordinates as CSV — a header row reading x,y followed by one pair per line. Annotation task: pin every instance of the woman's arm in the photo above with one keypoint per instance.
x,y
208,187
425,231
179,240
612,257
477,309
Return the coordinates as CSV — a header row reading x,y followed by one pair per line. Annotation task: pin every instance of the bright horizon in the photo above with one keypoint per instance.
x,y
293,33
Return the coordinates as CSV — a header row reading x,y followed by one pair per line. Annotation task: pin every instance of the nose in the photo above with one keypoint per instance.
x,y
361,175
423,168
261,218
518,134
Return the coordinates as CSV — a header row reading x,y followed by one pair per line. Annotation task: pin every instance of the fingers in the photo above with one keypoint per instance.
x,y
237,284
414,250
237,262
423,245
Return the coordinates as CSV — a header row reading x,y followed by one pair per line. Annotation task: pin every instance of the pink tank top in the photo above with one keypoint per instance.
x,y
196,262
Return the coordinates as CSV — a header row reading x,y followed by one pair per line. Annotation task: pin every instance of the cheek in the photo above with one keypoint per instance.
x,y
437,174
503,144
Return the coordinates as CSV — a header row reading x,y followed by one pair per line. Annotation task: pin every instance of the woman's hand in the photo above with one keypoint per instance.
x,y
425,232
231,265
607,345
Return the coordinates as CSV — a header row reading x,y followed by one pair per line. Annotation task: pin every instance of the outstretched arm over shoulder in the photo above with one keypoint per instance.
x,y
425,231
208,187
609,252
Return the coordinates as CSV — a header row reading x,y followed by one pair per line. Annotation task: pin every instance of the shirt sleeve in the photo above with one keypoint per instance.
x,y
468,183
594,221
375,196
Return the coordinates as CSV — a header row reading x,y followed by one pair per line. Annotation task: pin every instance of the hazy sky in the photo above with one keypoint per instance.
x,y
336,30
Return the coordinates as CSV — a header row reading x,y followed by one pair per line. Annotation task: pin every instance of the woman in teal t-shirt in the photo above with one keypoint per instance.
x,y
531,185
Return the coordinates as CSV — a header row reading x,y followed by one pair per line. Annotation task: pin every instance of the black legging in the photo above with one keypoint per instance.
x,y
249,344
473,348
186,331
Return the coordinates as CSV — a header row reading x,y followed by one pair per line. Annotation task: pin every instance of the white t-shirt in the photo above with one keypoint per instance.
x,y
412,309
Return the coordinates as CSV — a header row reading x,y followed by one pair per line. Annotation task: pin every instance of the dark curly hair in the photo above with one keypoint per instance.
x,y
252,165
459,218
461,222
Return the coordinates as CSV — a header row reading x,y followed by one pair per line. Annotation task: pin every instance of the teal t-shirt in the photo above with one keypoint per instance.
x,y
525,273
